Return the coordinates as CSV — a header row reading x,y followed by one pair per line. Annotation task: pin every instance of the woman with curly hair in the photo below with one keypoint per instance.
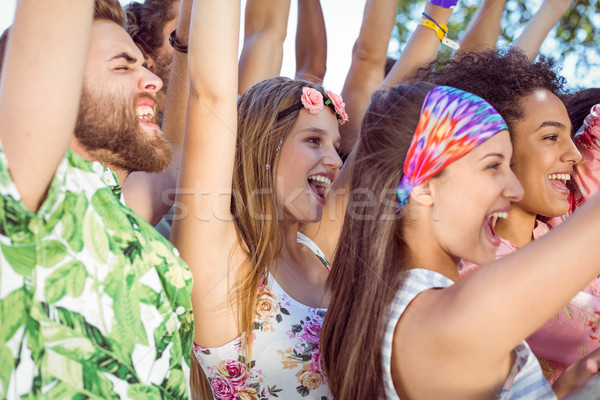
x,y
528,96
401,322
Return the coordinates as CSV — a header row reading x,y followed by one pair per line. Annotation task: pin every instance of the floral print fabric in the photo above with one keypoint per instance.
x,y
572,332
286,360
94,303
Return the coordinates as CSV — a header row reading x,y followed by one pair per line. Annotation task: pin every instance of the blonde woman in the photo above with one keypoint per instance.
x,y
251,173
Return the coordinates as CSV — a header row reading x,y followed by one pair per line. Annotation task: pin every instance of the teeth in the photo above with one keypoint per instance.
x,y
145,113
322,180
562,177
497,215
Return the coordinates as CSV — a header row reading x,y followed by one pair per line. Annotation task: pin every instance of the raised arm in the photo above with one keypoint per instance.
x,y
203,229
539,26
500,304
366,73
484,29
367,69
421,49
311,42
365,76
151,195
39,92
265,29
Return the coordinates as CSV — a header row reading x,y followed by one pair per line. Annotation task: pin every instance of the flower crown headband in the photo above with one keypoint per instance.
x,y
312,100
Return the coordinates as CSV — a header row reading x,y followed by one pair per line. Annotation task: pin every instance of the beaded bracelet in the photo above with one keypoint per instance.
x,y
175,43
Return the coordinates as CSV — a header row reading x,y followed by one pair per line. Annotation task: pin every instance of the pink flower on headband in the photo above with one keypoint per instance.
x,y
339,105
312,100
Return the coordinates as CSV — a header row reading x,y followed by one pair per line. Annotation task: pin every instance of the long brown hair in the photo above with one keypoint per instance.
x,y
254,206
371,251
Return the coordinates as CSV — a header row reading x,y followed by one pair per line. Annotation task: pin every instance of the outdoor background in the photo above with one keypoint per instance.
x,y
575,42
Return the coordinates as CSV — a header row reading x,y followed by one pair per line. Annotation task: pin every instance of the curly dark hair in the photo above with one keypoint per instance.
x,y
579,105
146,21
499,76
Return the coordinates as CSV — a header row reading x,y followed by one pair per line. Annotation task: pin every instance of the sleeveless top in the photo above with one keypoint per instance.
x,y
525,380
286,360
572,333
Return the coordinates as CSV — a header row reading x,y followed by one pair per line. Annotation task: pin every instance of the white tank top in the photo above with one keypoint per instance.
x,y
286,359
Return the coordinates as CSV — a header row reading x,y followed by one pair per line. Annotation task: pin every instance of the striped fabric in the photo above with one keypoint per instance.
x,y
525,380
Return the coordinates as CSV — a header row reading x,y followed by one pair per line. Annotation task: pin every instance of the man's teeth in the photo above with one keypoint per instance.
x,y
497,215
562,177
145,113
321,180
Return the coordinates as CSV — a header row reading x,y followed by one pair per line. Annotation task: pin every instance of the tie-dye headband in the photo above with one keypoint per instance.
x,y
452,123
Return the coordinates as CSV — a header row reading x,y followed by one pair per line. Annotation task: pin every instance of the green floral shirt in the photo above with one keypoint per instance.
x,y
94,302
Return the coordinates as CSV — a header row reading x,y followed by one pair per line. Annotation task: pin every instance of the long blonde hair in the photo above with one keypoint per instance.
x,y
254,205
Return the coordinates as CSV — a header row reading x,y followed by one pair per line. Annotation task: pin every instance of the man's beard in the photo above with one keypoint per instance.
x,y
109,130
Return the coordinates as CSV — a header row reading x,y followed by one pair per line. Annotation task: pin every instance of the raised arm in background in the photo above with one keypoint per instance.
x,y
421,49
311,42
484,29
363,79
265,29
39,101
367,69
151,195
203,229
536,30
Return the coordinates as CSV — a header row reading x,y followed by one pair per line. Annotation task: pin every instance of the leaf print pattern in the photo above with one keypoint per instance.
x,y
94,303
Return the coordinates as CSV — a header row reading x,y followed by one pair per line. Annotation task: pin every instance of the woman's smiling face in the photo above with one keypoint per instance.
x,y
469,195
543,154
308,164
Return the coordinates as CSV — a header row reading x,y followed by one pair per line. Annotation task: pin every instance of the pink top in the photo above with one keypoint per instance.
x,y
587,172
572,333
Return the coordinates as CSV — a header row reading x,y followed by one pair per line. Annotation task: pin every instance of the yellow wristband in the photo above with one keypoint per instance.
x,y
430,24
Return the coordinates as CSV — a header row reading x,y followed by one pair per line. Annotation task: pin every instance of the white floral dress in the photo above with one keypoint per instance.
x,y
286,360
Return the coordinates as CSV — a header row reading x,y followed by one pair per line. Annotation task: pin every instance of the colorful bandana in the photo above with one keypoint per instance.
x,y
452,123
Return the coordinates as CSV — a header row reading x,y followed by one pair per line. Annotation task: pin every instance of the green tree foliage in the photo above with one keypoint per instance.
x,y
574,41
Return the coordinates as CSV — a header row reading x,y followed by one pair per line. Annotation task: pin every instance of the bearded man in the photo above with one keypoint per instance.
x,y
93,301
